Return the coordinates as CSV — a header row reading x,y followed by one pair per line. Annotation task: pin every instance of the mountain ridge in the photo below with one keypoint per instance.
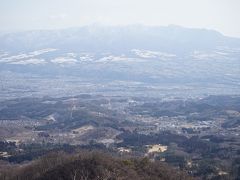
x,y
114,38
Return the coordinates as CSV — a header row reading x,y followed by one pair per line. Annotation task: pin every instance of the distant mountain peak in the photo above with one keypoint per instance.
x,y
174,39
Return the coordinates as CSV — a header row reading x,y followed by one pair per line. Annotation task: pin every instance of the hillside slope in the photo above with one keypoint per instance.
x,y
92,166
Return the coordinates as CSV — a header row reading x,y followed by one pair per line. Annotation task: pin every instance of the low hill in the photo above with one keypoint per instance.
x,y
91,165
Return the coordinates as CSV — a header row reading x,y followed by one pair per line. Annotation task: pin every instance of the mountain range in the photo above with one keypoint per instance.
x,y
134,53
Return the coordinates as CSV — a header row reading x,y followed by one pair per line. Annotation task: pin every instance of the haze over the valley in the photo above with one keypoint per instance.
x,y
119,89
220,15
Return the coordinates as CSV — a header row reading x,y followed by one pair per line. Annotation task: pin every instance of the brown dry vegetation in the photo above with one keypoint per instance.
x,y
90,165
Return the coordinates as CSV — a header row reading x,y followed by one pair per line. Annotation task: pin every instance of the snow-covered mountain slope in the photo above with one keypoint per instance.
x,y
170,54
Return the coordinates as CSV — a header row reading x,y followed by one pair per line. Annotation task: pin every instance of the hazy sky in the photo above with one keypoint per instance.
x,y
221,15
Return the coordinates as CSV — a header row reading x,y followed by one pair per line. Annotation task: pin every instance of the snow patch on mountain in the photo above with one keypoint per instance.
x,y
152,54
42,51
115,59
15,58
64,60
29,61
200,55
86,57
